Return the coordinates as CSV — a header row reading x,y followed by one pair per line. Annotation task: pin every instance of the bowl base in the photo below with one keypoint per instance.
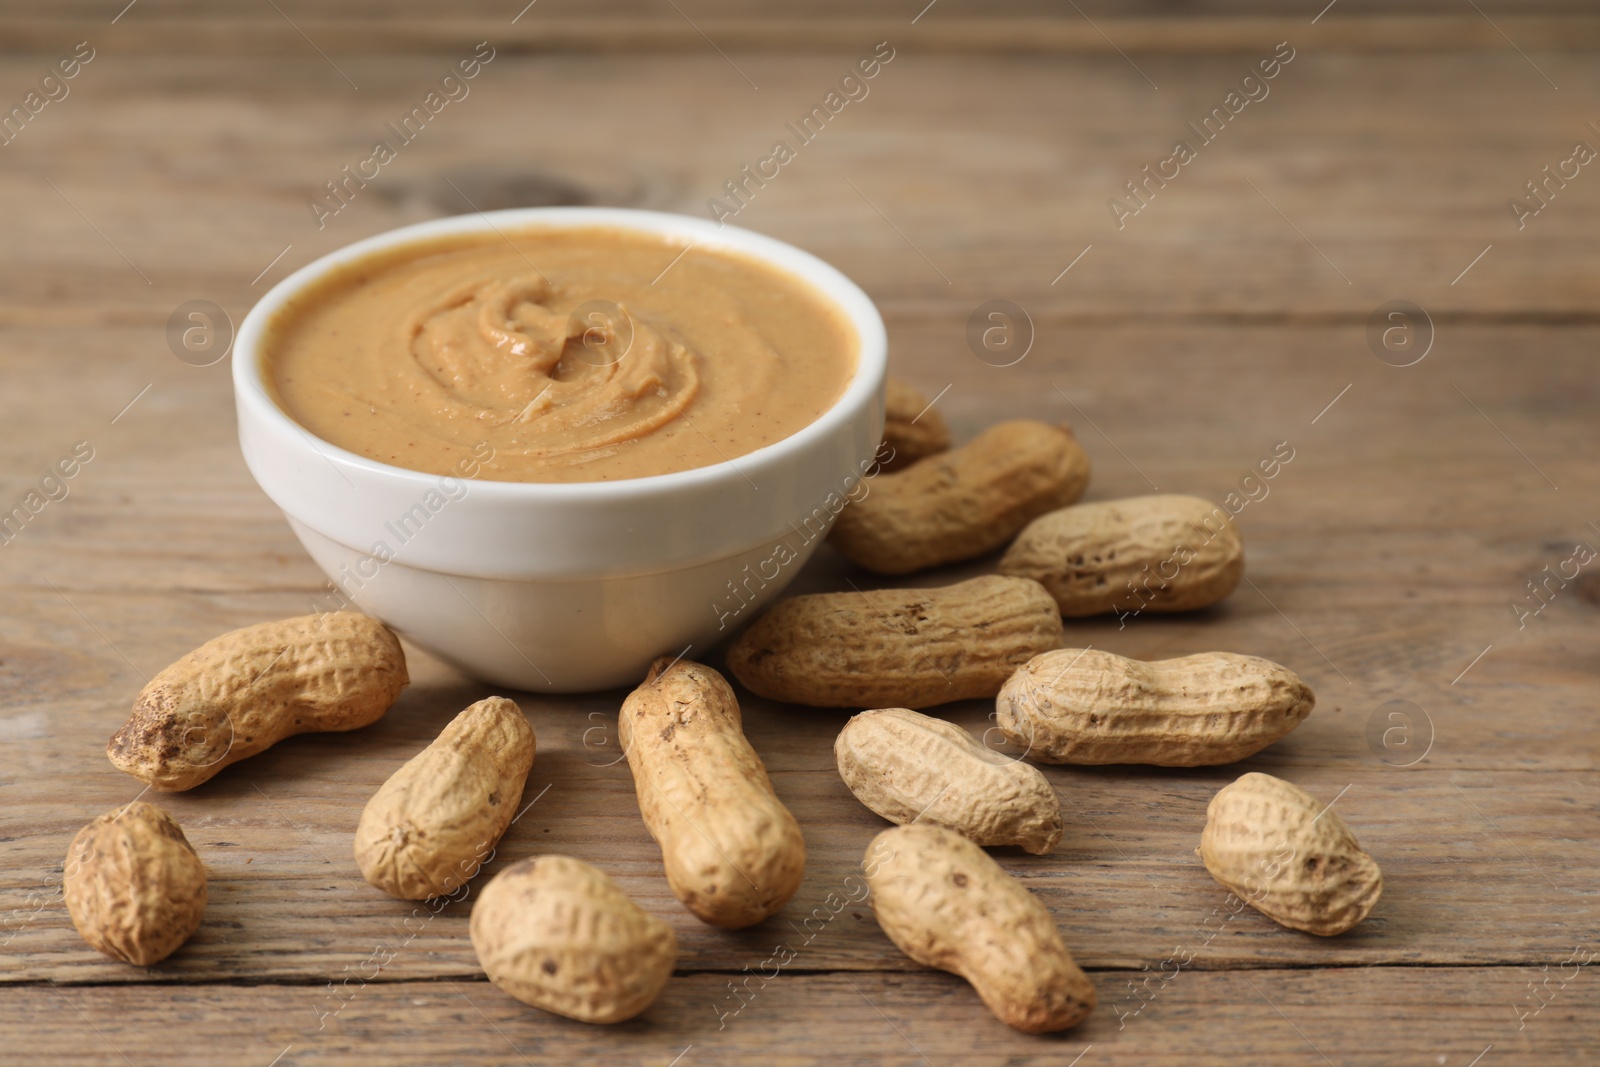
x,y
568,636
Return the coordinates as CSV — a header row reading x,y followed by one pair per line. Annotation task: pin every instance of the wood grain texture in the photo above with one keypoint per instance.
x,y
1407,1016
1397,168
623,11
1383,562
1104,27
579,31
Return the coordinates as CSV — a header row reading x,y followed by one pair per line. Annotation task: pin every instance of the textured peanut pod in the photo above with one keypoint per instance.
x,y
133,885
558,934
733,853
1081,705
912,429
947,904
906,766
910,648
1282,851
1147,553
435,822
245,691
965,502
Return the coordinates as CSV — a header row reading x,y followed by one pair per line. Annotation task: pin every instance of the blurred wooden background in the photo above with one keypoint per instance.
x,y
1231,313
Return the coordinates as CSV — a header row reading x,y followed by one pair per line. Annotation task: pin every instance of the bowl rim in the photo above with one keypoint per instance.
x,y
254,395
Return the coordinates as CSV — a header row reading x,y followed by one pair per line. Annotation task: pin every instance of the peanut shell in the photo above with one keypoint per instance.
x,y
912,428
1147,553
1089,707
436,821
243,692
910,767
733,853
558,934
910,648
133,884
960,504
947,904
1290,857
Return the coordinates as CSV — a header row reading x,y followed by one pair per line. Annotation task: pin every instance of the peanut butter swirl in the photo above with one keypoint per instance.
x,y
579,375
567,355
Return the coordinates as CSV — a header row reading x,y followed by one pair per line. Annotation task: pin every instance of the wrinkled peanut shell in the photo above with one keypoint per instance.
x,y
133,884
733,853
436,821
1086,706
1289,856
907,766
912,428
909,648
1153,554
558,934
243,692
960,504
947,904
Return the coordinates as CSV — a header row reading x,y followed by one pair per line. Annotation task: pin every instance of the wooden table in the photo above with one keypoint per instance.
x,y
1387,560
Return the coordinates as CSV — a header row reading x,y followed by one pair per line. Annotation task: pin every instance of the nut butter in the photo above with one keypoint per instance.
x,y
565,355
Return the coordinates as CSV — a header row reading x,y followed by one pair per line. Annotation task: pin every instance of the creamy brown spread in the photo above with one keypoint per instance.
x,y
566,355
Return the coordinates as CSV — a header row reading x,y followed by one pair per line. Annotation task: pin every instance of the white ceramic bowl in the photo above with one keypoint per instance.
x,y
564,587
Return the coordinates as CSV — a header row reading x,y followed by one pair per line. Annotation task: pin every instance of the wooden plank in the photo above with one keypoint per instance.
x,y
1054,36
1402,202
1033,26
1406,1017
629,10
